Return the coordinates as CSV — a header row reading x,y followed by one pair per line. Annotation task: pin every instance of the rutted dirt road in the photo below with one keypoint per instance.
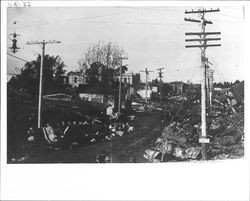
x,y
129,147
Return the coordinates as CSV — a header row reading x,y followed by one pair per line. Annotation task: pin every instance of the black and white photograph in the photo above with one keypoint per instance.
x,y
103,84
125,84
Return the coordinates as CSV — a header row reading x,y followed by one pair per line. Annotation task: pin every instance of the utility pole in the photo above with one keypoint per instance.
x,y
147,72
203,45
129,77
43,43
210,80
208,85
161,83
120,85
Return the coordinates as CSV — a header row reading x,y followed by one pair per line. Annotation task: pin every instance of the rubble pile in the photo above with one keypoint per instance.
x,y
227,132
180,140
181,144
73,133
88,130
121,128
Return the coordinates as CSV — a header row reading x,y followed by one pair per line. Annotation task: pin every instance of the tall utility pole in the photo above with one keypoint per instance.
x,y
147,72
203,45
43,43
120,85
161,83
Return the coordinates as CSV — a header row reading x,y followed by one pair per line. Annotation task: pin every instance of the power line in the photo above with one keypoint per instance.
x,y
230,7
128,23
153,9
229,21
219,73
179,109
136,23
221,76
17,57
99,16
229,16
194,71
75,19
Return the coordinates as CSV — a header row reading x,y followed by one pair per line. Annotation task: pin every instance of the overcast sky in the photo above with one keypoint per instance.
x,y
153,37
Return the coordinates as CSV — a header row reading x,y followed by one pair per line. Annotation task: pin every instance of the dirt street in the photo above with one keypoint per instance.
x,y
124,149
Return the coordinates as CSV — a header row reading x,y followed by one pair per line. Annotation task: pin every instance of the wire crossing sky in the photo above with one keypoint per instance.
x,y
152,37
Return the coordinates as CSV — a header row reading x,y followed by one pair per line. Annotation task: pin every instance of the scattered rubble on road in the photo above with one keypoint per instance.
x,y
179,140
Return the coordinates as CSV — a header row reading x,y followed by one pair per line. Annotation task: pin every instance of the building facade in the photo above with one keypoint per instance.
x,y
75,78
177,87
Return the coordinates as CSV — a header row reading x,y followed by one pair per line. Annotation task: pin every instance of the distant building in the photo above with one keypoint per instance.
x,y
128,81
75,78
130,92
145,93
127,78
178,87
92,97
98,98
94,93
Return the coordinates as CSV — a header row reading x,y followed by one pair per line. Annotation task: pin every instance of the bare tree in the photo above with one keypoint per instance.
x,y
104,53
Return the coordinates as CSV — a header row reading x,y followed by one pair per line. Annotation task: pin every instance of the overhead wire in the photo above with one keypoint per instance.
x,y
179,109
153,8
116,13
185,96
236,17
137,23
77,19
99,16
230,7
229,21
129,23
227,15
220,74
17,57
